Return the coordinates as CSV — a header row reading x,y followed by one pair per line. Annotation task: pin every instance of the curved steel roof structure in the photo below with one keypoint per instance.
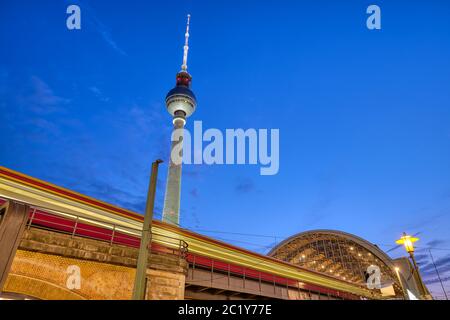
x,y
338,254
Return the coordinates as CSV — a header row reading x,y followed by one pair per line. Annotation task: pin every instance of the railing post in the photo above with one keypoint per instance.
x,y
193,268
112,235
259,278
31,219
229,275
274,287
212,272
75,227
287,288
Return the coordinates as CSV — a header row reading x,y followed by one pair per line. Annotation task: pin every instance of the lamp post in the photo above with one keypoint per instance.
x,y
141,268
408,242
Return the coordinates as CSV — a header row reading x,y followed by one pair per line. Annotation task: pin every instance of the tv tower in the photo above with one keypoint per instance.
x,y
181,103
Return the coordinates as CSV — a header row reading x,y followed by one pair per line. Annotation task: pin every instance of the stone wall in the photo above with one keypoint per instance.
x,y
107,270
77,247
164,285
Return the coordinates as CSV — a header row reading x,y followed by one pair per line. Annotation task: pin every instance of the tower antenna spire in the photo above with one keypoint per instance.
x,y
186,45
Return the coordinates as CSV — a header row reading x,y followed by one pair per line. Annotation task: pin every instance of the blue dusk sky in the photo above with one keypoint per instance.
x,y
364,115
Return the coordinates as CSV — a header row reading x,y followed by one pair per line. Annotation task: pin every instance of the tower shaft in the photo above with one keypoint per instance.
x,y
171,211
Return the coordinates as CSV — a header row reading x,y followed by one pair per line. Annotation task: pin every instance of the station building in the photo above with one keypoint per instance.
x,y
58,244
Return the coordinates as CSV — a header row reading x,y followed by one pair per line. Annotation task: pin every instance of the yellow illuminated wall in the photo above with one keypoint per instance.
x,y
45,276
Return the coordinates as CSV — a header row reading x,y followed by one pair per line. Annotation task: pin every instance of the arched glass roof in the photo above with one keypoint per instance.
x,y
337,254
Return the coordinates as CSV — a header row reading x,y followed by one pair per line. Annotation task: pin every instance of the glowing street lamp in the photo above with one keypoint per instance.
x,y
408,242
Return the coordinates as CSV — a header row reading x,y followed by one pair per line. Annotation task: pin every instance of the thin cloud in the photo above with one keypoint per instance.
x,y
102,30
36,110
436,243
426,216
422,258
88,16
442,264
40,99
120,178
436,280
99,94
106,191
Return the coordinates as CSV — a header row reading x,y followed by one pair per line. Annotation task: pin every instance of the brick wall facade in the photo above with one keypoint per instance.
x,y
107,271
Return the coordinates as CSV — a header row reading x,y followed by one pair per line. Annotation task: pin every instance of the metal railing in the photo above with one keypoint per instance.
x,y
78,226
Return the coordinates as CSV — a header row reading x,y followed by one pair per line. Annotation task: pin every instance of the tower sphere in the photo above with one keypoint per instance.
x,y
181,101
